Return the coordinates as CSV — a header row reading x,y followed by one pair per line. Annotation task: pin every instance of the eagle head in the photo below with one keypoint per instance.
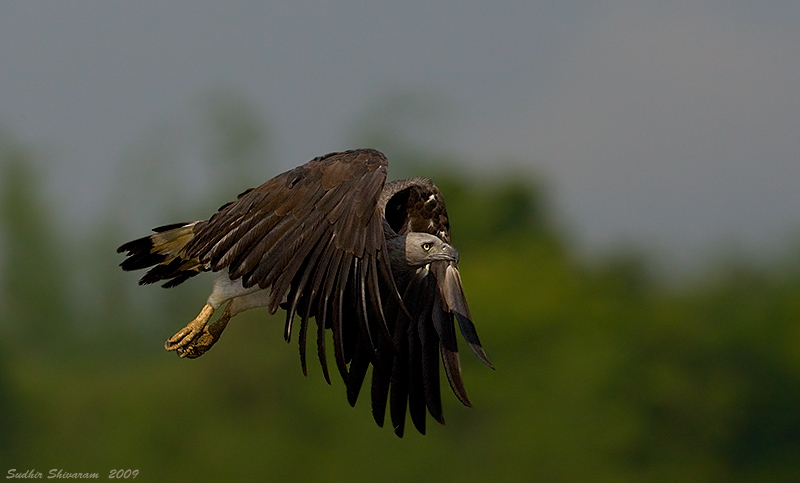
x,y
421,249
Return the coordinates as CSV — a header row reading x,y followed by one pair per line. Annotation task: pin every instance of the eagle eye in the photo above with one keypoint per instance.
x,y
427,246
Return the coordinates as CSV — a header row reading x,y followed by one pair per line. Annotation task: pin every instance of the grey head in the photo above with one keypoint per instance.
x,y
417,249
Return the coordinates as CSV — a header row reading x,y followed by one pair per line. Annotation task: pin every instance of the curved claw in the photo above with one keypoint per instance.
x,y
192,345
207,338
187,334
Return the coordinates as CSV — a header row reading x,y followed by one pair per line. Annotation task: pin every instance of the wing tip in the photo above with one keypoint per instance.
x,y
481,354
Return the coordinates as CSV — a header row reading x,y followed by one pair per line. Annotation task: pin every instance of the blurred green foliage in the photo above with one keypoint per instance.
x,y
603,373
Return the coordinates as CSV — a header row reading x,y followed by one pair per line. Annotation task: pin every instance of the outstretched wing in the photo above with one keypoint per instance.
x,y
435,299
314,235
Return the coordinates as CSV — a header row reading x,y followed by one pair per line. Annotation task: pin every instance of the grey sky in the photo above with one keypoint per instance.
x,y
675,124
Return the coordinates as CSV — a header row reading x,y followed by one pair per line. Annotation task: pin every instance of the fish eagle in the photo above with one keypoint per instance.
x,y
369,261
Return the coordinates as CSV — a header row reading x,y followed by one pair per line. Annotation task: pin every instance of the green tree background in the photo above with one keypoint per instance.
x,y
604,372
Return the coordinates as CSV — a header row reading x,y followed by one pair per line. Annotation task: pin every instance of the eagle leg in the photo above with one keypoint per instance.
x,y
187,334
210,334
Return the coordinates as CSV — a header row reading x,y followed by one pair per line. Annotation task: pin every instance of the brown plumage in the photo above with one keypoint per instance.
x,y
370,261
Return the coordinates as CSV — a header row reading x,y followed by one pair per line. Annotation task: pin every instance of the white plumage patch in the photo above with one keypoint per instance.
x,y
226,289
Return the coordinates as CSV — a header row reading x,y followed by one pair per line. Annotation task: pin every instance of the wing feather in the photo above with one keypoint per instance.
x,y
246,254
358,370
322,305
416,372
301,234
398,393
310,261
337,324
430,368
249,230
434,305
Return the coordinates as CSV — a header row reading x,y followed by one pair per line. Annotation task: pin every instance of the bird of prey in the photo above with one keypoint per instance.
x,y
369,261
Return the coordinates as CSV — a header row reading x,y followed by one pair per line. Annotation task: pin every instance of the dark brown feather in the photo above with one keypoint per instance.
x,y
435,303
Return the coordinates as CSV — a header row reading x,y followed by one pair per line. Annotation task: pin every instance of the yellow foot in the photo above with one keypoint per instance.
x,y
207,337
185,336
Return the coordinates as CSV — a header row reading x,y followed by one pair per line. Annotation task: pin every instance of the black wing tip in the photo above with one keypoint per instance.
x,y
379,417
478,350
461,394
470,334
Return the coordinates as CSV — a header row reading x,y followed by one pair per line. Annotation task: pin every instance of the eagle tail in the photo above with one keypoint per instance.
x,y
164,252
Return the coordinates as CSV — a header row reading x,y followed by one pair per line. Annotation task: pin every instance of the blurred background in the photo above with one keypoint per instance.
x,y
622,183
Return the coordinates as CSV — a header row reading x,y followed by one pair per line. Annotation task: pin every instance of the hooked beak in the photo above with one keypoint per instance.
x,y
449,253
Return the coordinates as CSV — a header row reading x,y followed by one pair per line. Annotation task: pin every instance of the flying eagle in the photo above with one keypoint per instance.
x,y
370,261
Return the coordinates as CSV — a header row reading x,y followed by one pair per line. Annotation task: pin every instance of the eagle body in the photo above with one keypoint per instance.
x,y
369,261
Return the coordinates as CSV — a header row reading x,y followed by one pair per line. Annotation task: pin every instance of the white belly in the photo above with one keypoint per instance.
x,y
242,298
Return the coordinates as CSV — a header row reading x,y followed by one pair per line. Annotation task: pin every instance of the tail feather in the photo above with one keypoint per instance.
x,y
164,251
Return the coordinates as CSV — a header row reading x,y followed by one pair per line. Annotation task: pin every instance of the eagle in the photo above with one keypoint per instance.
x,y
369,260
